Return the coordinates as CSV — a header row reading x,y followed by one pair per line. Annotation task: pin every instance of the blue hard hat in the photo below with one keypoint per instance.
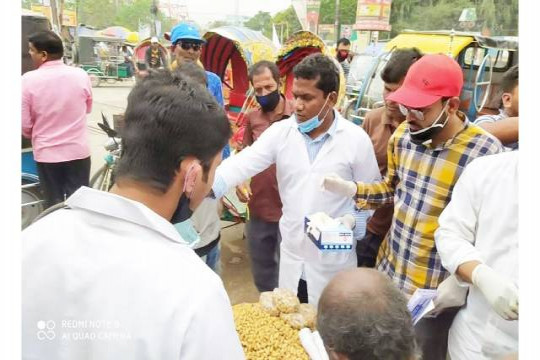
x,y
185,31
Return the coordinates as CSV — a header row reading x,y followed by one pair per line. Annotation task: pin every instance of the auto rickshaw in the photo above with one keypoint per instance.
x,y
229,52
101,57
32,203
483,60
301,44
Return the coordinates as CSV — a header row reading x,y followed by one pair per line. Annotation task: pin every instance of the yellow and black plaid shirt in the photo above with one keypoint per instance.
x,y
419,182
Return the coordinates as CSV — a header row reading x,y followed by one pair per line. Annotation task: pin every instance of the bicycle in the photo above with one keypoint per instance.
x,y
103,179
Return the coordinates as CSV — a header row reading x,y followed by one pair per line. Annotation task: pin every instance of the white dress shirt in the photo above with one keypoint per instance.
x,y
481,223
109,278
347,151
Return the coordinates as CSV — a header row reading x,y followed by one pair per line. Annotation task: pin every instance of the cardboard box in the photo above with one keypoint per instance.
x,y
335,237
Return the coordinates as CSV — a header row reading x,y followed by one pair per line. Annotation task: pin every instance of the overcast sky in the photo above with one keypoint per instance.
x,y
204,11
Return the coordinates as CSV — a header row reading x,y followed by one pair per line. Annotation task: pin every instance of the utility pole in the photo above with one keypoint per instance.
x,y
337,21
154,11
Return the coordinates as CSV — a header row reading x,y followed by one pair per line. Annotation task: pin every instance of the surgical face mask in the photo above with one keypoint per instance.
x,y
269,102
188,233
309,125
182,217
425,136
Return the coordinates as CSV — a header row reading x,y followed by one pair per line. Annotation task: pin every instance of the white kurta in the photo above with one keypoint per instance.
x,y
111,279
481,223
348,153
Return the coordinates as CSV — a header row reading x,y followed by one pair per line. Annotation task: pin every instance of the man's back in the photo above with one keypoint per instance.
x,y
115,281
56,99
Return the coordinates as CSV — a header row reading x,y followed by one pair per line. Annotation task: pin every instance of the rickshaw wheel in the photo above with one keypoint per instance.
x,y
29,213
95,80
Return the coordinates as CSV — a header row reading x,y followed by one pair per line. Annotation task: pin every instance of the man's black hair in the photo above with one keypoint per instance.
x,y
193,71
168,118
510,79
259,67
343,41
47,41
399,63
321,67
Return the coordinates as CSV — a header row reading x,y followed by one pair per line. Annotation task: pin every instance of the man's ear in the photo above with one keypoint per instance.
x,y
190,169
333,97
506,100
453,105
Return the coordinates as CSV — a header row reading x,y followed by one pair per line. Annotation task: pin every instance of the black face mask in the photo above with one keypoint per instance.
x,y
269,102
182,212
425,136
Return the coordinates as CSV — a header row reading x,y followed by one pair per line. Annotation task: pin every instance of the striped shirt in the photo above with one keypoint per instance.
x,y
419,182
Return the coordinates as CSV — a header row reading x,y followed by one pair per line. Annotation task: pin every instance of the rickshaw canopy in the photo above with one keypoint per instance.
x,y
86,53
236,44
432,43
301,44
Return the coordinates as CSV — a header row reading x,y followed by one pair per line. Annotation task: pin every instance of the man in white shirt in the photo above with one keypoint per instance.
x,y
304,147
109,277
478,242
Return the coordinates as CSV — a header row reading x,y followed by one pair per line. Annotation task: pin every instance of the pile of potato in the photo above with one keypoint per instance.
x,y
269,329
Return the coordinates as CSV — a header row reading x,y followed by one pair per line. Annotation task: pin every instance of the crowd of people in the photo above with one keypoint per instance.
x,y
419,185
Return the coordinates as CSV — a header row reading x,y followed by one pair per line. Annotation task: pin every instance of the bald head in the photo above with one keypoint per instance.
x,y
363,315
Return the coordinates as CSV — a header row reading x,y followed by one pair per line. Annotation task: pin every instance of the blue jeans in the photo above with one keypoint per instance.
x,y
212,258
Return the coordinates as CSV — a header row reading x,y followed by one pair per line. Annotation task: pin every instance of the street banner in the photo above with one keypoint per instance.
x,y
300,7
373,15
313,9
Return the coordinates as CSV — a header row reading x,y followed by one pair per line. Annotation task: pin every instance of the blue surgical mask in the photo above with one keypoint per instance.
x,y
309,125
188,233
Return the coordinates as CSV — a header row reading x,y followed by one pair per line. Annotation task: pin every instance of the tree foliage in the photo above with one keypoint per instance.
x,y
262,21
287,19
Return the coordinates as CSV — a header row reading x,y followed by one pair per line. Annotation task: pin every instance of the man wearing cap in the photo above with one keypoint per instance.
x,y
154,57
187,43
426,155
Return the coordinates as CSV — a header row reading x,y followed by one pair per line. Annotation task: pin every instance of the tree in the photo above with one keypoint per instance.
x,y
347,12
262,21
288,17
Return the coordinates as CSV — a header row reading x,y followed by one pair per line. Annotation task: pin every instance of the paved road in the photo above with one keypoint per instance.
x,y
235,261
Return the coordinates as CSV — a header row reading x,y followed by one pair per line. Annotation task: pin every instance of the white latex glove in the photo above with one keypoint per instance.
x,y
334,183
348,220
313,344
449,294
501,293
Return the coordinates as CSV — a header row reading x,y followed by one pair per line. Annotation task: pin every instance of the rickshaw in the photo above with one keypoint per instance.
x,y
483,60
139,54
32,203
229,52
301,44
101,57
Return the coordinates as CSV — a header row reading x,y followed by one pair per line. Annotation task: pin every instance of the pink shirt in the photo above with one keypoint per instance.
x,y
55,101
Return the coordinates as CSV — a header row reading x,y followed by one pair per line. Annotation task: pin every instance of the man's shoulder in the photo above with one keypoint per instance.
x,y
212,77
374,117
476,136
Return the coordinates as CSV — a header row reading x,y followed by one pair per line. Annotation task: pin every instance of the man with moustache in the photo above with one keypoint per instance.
x,y
261,193
380,124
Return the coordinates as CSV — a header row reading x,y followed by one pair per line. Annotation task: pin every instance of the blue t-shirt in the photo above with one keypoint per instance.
x,y
215,88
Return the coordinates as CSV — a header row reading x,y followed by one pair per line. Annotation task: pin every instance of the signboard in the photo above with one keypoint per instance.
x,y
346,31
313,8
69,17
327,32
373,15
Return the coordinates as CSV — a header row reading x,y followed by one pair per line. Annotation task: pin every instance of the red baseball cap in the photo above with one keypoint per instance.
x,y
429,79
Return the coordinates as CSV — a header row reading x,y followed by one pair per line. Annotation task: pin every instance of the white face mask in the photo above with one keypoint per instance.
x,y
425,136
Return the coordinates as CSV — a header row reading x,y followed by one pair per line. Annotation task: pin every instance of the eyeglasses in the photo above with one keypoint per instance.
x,y
189,45
417,113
